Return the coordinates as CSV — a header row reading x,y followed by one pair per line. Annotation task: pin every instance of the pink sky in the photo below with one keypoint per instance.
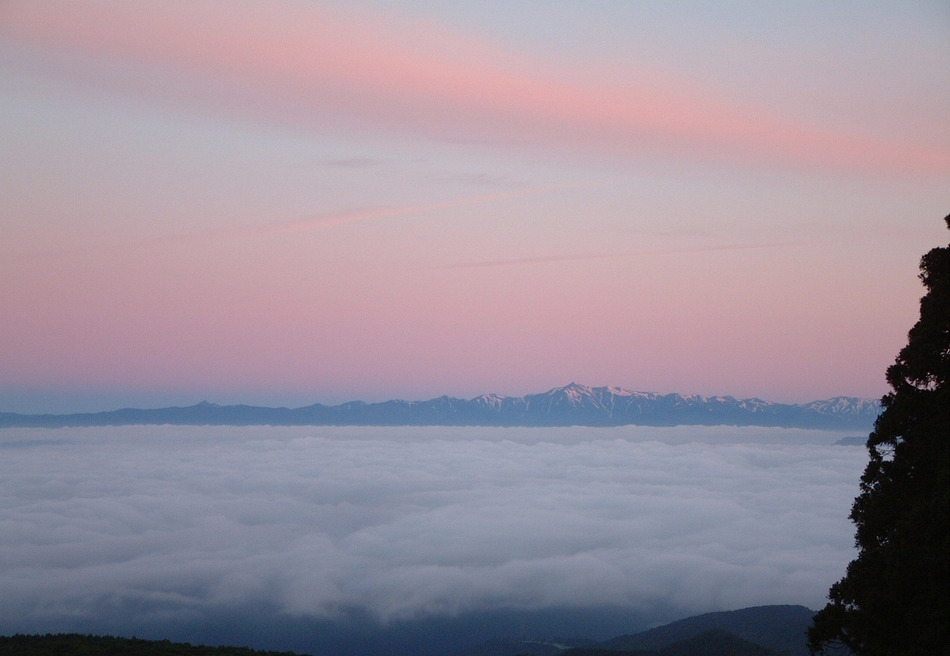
x,y
290,202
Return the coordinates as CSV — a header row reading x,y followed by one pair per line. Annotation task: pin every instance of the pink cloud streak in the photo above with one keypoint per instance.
x,y
310,61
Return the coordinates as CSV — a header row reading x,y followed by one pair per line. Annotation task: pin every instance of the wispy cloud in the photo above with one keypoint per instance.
x,y
744,247
308,62
354,162
370,214
557,259
551,259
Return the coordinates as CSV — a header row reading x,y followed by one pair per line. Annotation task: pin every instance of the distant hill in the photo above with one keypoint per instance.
x,y
571,405
714,642
756,631
778,628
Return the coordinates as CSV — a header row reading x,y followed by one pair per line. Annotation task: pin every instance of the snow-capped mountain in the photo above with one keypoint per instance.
x,y
571,405
845,405
613,406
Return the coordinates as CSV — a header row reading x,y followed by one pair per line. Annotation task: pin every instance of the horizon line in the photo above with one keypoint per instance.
x,y
205,402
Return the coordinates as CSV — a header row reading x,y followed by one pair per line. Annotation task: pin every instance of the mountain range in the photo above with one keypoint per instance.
x,y
571,405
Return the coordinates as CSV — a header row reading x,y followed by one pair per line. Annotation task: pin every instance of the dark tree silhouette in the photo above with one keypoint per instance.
x,y
894,598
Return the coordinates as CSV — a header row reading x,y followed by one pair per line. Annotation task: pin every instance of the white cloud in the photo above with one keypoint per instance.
x,y
166,523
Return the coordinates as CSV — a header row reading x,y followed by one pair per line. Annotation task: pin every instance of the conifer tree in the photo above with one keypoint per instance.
x,y
895,597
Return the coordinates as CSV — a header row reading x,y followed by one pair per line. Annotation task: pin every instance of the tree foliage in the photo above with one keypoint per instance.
x,y
894,598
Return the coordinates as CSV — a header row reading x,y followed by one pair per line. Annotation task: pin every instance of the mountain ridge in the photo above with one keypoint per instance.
x,y
780,628
570,405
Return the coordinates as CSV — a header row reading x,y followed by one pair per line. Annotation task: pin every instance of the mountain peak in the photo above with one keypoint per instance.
x,y
572,388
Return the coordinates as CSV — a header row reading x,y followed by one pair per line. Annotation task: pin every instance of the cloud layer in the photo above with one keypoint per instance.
x,y
175,524
305,62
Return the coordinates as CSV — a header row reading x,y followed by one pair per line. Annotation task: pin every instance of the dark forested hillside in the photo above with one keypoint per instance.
x,y
71,644
757,631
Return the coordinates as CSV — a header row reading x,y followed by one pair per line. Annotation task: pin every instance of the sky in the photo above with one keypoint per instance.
x,y
292,202
317,538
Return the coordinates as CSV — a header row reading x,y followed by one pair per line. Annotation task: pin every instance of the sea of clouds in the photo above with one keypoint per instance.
x,y
142,528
